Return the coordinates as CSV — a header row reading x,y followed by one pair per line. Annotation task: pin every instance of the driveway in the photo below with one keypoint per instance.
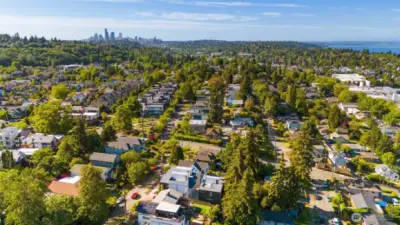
x,y
143,196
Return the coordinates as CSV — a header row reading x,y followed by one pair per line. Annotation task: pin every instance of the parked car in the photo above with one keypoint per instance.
x,y
120,200
395,201
135,195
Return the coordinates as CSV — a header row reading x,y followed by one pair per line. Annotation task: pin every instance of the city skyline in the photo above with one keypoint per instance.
x,y
298,20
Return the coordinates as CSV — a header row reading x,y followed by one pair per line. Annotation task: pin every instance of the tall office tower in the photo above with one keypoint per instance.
x,y
120,36
112,36
101,39
96,37
135,38
106,37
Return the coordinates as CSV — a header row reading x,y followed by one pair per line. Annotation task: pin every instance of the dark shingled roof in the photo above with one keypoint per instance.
x,y
147,208
125,143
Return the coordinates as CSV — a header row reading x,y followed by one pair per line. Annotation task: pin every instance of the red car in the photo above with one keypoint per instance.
x,y
135,195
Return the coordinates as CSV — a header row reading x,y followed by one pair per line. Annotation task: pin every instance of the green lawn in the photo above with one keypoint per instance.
x,y
304,218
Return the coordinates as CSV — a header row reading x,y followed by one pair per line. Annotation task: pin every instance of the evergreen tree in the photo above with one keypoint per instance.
x,y
7,160
291,95
271,104
108,133
176,154
384,145
334,117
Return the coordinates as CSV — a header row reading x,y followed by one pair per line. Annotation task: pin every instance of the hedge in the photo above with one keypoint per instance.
x,y
197,139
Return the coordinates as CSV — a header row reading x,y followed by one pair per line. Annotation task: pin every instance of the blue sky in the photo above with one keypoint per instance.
x,y
300,20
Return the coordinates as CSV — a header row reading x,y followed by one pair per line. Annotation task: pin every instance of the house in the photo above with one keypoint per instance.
x,y
180,179
241,122
62,188
164,213
207,155
199,111
90,114
337,159
358,201
125,144
276,218
387,172
193,165
103,159
342,138
213,133
9,137
211,189
356,147
40,140
198,126
79,97
349,108
390,131
168,195
76,170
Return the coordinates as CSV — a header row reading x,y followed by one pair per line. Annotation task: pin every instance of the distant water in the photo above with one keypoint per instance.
x,y
378,47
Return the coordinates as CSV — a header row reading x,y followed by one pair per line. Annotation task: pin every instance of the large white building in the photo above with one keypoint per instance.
x,y
387,93
350,78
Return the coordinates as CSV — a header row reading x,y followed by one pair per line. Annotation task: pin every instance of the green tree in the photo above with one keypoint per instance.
x,y
22,196
7,159
384,145
60,91
393,211
176,154
347,96
334,117
389,159
60,210
271,104
137,170
122,119
188,92
291,95
51,118
44,159
108,133
92,197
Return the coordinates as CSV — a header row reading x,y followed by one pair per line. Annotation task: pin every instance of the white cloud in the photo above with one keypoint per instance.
x,y
197,16
396,10
224,3
272,14
303,14
232,3
245,19
285,5
145,14
112,1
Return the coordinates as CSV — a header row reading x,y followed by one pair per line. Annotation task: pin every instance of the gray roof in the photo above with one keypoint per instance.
x,y
102,157
208,184
44,139
359,201
147,207
189,164
168,195
166,177
125,143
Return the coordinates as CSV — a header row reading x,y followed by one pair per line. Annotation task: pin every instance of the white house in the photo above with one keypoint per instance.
x,y
9,136
198,125
349,78
349,109
387,172
337,159
180,180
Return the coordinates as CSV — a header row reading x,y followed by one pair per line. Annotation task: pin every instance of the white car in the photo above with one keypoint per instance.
x,y
395,201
